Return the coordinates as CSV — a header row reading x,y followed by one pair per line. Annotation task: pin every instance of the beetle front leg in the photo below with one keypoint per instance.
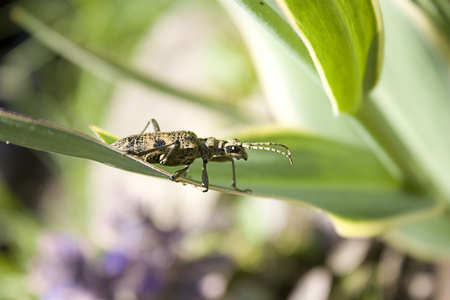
x,y
205,179
233,180
233,169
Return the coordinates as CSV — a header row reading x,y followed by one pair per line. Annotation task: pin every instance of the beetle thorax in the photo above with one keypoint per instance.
x,y
208,147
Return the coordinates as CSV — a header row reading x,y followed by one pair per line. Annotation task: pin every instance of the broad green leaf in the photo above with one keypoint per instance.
x,y
343,181
404,97
427,240
413,95
345,40
294,96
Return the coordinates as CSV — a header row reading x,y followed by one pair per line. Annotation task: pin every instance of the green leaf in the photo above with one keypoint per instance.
x,y
413,96
343,181
295,97
428,240
44,136
105,136
345,40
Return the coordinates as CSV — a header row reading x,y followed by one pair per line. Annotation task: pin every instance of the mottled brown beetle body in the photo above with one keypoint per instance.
x,y
176,148
138,144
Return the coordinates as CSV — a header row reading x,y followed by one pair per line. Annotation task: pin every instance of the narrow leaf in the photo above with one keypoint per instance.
x,y
105,136
40,135
345,182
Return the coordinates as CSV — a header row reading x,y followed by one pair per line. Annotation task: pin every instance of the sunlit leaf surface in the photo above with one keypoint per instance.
x,y
345,41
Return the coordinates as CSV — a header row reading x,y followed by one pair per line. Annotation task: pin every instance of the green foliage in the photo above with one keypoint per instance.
x,y
402,129
344,181
381,167
44,136
345,40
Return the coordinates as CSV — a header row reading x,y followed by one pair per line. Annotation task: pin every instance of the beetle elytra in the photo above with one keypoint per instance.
x,y
177,148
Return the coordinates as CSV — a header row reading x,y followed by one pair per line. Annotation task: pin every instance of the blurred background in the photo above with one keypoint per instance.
x,y
75,229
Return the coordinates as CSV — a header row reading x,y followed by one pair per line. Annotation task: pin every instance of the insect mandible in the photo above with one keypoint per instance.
x,y
176,148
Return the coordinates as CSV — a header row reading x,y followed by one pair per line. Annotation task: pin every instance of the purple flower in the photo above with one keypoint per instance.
x,y
139,264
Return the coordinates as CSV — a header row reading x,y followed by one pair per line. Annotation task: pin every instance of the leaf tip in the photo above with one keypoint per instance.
x,y
102,134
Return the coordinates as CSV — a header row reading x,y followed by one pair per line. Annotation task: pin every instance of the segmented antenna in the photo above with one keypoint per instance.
x,y
256,146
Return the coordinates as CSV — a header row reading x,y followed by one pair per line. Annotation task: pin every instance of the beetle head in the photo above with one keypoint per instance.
x,y
234,149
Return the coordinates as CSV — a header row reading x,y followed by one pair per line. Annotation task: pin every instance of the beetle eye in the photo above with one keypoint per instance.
x,y
233,149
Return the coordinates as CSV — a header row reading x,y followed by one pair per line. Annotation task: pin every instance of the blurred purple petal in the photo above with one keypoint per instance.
x,y
114,263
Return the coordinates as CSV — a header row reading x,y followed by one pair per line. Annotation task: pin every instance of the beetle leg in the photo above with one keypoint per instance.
x,y
233,178
205,179
179,173
155,126
172,152
145,128
144,153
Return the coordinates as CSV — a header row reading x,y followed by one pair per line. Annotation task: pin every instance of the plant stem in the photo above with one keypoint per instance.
x,y
379,129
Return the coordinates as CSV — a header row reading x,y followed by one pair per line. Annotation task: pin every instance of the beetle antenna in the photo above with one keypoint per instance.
x,y
257,146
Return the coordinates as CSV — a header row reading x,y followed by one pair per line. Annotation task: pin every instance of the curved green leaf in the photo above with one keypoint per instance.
x,y
413,96
343,181
294,96
345,40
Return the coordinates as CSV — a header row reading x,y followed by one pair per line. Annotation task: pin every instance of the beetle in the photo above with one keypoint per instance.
x,y
177,148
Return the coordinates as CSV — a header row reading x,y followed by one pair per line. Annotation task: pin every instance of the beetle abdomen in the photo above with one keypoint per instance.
x,y
134,143
142,144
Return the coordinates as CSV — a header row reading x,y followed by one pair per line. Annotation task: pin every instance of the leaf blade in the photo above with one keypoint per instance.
x,y
345,40
45,136
345,182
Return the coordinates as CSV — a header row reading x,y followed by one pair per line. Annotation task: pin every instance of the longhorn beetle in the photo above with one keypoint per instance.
x,y
176,148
